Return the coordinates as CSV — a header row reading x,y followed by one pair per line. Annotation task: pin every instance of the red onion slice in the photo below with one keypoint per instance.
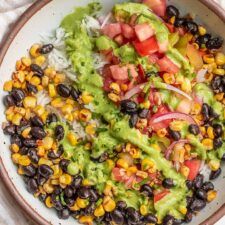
x,y
106,19
177,90
135,90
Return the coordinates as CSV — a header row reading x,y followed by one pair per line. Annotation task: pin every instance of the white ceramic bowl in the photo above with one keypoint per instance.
x,y
45,16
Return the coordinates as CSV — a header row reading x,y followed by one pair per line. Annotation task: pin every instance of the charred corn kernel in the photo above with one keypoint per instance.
x,y
15,157
45,81
109,204
141,123
143,210
186,85
176,125
90,129
40,60
34,50
114,97
99,211
72,138
26,61
48,202
208,58
220,72
219,97
142,174
132,170
122,163
208,143
214,165
57,103
85,115
29,102
47,143
211,195
67,109
24,160
19,65
124,87
14,148
115,87
210,132
183,210
52,90
172,20
162,132
26,132
81,203
43,161
86,98
20,76
16,119
8,86
169,78
87,220
220,59
35,80
59,78
184,170
65,179
202,31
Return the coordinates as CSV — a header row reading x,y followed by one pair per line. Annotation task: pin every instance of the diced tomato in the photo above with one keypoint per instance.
x,y
112,30
143,31
163,47
160,195
170,27
153,58
157,6
129,182
194,166
166,65
122,72
141,73
118,176
119,39
107,77
127,31
146,47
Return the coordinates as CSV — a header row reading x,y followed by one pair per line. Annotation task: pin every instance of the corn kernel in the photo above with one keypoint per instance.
x,y
88,220
74,207
15,158
219,96
220,59
85,115
214,165
50,72
48,188
34,50
220,72
67,109
43,161
142,174
81,203
186,85
35,80
122,163
69,117
131,170
8,86
29,102
108,189
24,160
202,31
14,148
20,170
114,97
146,164
203,130
141,123
40,60
90,129
52,90
211,195
208,58
162,132
169,78
26,132
124,87
65,179
86,182
57,103
16,119
99,211
72,138
45,81
208,143
48,202
26,61
115,87
47,143
19,65
156,147
41,151
86,98
109,204
143,210
184,170
20,76
59,78
176,125
172,19
145,104
110,163
183,210
210,132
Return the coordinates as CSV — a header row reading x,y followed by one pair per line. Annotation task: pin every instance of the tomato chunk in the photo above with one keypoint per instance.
x,y
112,30
157,6
146,47
161,195
194,166
166,65
143,31
127,31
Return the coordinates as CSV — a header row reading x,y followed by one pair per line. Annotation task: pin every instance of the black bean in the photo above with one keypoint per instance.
x,y
179,22
41,180
23,150
201,194
22,127
132,215
18,94
205,112
83,192
69,191
121,205
208,186
29,171
133,120
63,164
42,197
214,43
69,201
168,183
93,195
9,129
59,132
89,210
32,185
45,49
63,90
174,134
198,181
129,107
197,205
217,130
223,157
150,218
212,113
147,190
30,143
58,190
188,217
216,82
194,129
117,217
189,184
32,154
77,181
201,40
172,11
74,94
189,200
31,88
8,101
168,220
52,155
51,118
217,143
15,139
192,27
45,171
63,214
60,150
143,113
38,133
38,71
215,174
36,121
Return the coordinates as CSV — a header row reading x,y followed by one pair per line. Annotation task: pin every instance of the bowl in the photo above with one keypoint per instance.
x,y
44,16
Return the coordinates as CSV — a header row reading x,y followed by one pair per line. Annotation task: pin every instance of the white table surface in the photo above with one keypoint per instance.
x,y
10,213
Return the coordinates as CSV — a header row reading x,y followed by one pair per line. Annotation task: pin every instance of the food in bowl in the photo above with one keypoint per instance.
x,y
115,119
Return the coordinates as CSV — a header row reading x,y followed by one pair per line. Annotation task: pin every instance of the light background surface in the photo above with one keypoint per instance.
x,y
10,213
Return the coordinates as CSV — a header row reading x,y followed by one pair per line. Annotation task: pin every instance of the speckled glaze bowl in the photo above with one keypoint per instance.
x,y
45,16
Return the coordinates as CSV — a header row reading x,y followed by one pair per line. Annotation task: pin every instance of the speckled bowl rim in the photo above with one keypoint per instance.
x,y
34,215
